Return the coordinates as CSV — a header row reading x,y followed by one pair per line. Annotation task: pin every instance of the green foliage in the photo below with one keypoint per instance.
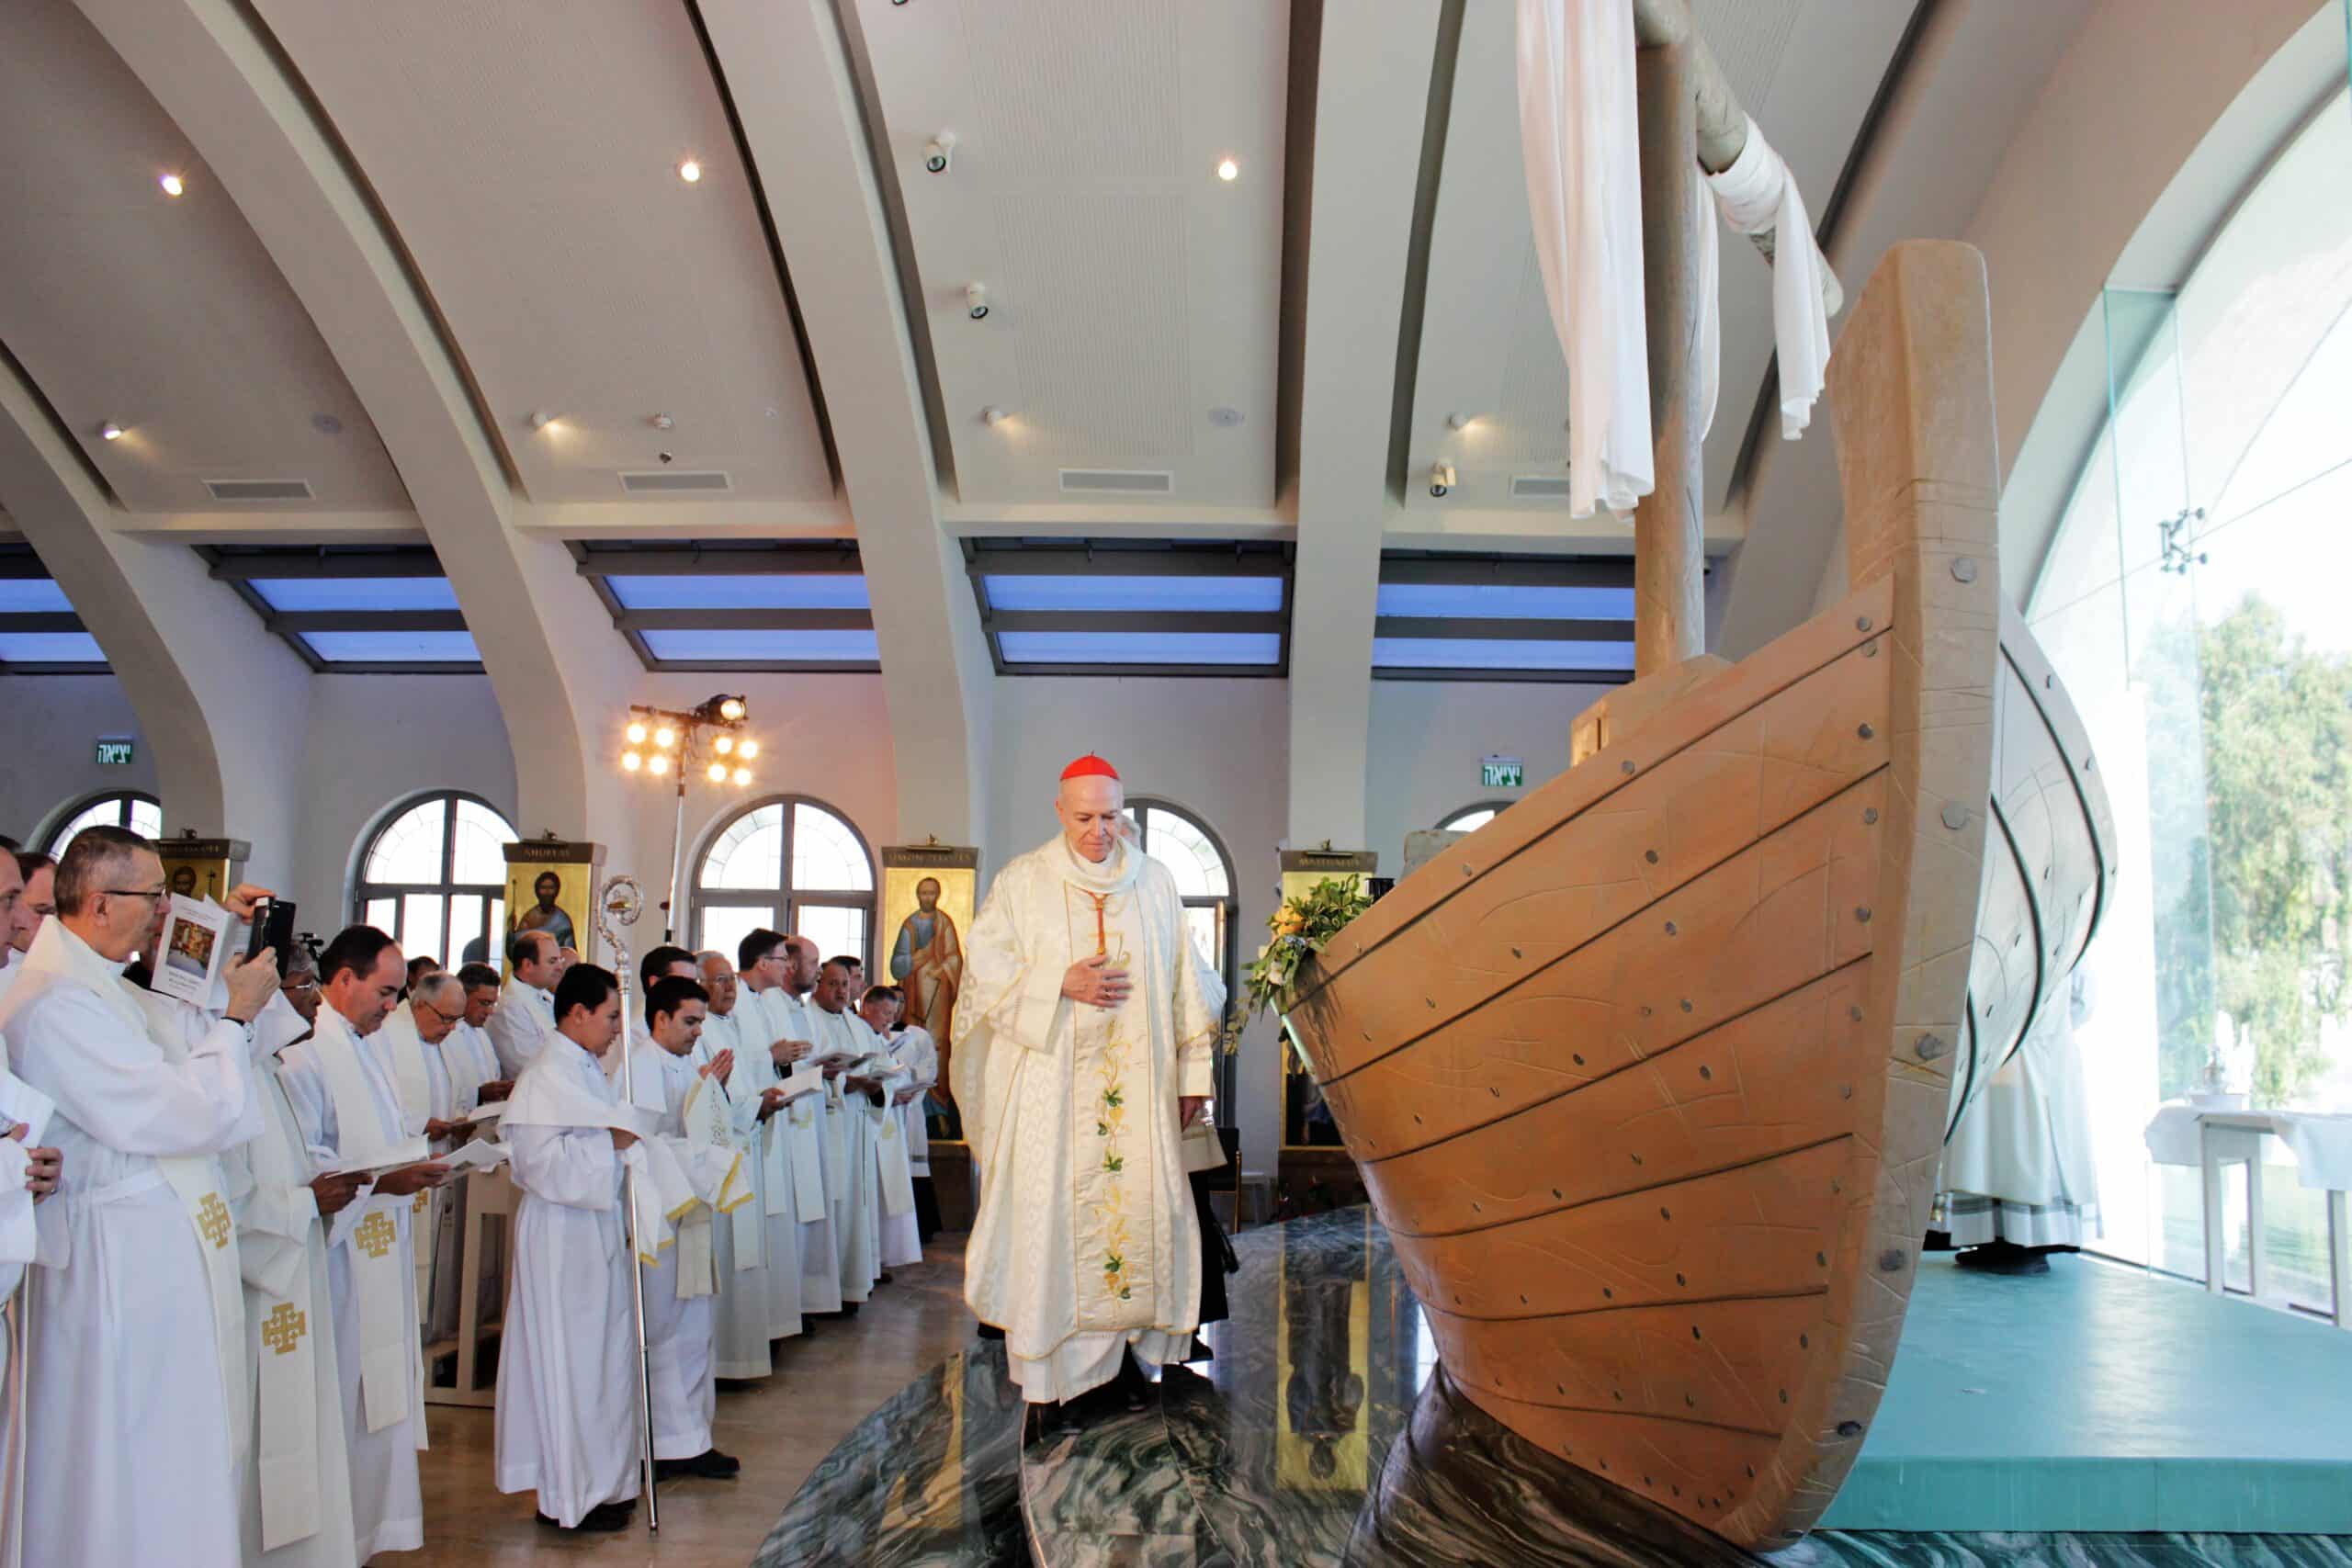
x,y
1299,931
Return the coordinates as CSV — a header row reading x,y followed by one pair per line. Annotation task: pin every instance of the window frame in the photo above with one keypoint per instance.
x,y
1446,823
1229,904
783,899
52,840
364,892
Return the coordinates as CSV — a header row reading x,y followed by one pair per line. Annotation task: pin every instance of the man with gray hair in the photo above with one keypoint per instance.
x,y
143,1394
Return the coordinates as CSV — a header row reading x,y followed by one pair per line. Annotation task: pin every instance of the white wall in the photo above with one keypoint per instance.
x,y
1429,736
49,728
1219,748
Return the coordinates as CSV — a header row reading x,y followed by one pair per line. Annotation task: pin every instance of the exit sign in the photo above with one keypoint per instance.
x,y
1501,773
113,753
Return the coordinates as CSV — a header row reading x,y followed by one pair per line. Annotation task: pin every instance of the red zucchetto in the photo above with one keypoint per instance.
x,y
1090,767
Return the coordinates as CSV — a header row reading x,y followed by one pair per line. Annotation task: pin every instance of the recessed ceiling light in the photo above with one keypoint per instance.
x,y
541,418
1461,421
110,431
1228,170
690,171
173,185
993,415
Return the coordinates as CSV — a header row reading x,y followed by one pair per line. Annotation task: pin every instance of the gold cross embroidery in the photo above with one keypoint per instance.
x,y
424,1199
375,1234
890,1131
284,1329
212,1220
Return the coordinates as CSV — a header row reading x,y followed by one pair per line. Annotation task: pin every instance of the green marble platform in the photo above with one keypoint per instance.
x,y
2099,1398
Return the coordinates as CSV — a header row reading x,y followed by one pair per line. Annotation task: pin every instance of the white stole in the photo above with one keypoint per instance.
x,y
793,1133
889,1142
711,1148
384,1361
63,958
405,1048
750,1135
286,1447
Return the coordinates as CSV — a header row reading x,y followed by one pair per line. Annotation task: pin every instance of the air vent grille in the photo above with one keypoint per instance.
x,y
259,489
1538,487
671,480
1123,481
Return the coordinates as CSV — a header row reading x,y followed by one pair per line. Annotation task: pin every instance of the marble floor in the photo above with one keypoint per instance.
x,y
827,1383
1322,1433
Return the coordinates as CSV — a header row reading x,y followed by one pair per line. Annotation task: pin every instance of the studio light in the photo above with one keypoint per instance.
x,y
690,171
723,744
110,431
636,735
748,749
665,737
658,764
171,184
718,772
631,760
731,710
742,776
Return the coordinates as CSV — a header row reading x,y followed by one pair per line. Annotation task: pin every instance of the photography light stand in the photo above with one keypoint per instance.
x,y
678,740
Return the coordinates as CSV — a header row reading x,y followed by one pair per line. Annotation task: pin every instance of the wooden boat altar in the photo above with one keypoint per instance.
x,y
1649,1077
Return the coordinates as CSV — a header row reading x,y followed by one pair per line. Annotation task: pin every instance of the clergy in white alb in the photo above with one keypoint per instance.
x,y
1080,996
850,1185
526,1012
775,970
340,1082
28,1171
740,1316
918,1058
2018,1177
689,1096
475,1079
410,1043
566,1424
137,1332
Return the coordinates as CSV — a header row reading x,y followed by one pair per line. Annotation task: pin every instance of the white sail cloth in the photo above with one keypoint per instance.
x,y
1759,194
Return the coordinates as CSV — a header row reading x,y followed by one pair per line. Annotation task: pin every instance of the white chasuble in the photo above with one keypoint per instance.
x,y
343,1097
1086,1242
739,1242
566,1423
136,1400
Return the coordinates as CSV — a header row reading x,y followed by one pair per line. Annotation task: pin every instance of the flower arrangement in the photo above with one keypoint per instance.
x,y
1299,930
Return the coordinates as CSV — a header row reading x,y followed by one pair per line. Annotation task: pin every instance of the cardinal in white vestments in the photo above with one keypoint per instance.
x,y
567,1419
901,1148
136,1346
775,970
1080,996
740,1316
341,1085
526,1012
670,1081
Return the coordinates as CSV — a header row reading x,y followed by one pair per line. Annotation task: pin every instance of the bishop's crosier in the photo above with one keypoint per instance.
x,y
1084,1046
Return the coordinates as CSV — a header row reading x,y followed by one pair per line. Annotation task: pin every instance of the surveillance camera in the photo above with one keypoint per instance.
x,y
976,297
939,152
1441,479
667,456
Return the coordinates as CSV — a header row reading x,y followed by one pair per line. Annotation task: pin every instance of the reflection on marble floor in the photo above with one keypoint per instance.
x,y
1321,1434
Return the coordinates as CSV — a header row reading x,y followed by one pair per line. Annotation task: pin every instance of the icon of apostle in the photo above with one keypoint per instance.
x,y
544,916
928,961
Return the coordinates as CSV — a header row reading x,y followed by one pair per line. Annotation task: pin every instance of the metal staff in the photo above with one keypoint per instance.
x,y
618,904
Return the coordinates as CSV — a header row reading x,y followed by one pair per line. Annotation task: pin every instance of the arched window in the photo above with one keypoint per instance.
x,y
134,810
1470,819
434,876
1203,875
790,864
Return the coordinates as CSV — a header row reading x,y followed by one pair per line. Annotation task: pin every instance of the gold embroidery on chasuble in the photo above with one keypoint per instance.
x,y
375,1234
423,1200
1110,1075
212,1219
284,1327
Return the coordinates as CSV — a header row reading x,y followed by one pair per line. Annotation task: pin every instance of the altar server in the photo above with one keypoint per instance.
x,y
799,1212
526,1012
136,1423
904,1234
567,1416
1083,1011
340,1083
740,1316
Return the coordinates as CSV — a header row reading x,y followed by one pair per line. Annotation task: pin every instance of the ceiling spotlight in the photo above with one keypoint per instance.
x,y
976,300
723,744
664,422
1441,479
631,760
540,419
748,749
110,431
718,772
173,185
939,152
657,764
742,776
690,171
993,416
1227,170
636,735
1461,421
665,737
731,710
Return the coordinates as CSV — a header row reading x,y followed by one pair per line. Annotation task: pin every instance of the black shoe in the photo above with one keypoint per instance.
x,y
849,1309
604,1517
990,1331
2004,1258
883,1278
709,1465
1199,1352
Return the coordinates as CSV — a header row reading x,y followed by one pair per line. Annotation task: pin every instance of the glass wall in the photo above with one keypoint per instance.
x,y
2194,602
